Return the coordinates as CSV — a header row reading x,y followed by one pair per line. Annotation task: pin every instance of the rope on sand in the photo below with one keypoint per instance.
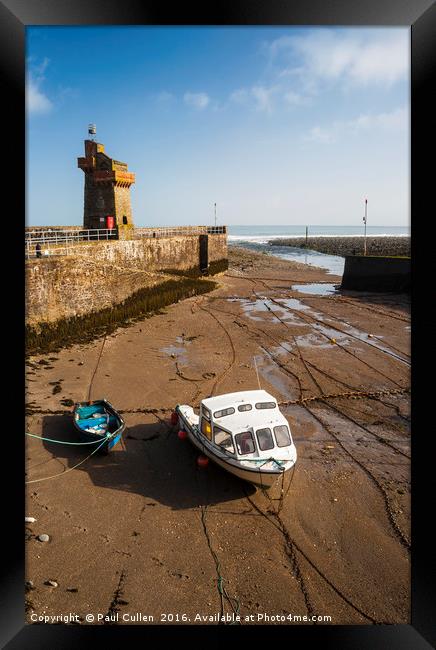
x,y
46,478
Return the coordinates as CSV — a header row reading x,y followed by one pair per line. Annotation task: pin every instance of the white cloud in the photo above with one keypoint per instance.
x,y
350,55
196,100
36,100
260,97
41,68
240,96
263,98
396,120
301,65
318,134
295,99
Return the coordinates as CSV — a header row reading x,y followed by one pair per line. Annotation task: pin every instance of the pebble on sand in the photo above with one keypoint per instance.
x,y
51,583
29,520
43,538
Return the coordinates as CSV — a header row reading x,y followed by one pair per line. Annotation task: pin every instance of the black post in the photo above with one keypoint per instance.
x,y
204,253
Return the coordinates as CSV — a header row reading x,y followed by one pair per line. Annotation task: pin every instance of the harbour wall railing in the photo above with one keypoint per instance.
x,y
63,241
177,231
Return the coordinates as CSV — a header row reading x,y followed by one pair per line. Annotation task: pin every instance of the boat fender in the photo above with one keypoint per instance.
x,y
174,418
182,435
202,461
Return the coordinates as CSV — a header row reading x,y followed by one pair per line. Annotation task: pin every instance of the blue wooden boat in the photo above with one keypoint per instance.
x,y
97,421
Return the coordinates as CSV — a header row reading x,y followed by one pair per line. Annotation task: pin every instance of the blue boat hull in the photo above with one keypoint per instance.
x,y
82,416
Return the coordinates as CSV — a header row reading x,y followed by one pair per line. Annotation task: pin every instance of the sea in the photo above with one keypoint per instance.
x,y
257,238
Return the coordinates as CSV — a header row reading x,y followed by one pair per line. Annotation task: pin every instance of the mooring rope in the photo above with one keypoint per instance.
x,y
46,478
233,601
64,442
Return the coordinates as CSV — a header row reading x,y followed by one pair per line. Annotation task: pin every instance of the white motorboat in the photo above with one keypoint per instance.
x,y
243,432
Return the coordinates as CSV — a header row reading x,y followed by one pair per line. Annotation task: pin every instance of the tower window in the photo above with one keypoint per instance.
x,y
124,219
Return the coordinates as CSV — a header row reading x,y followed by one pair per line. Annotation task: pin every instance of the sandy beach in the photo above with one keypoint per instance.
x,y
145,536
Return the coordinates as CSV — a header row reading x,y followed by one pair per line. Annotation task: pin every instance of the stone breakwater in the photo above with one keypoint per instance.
x,y
396,246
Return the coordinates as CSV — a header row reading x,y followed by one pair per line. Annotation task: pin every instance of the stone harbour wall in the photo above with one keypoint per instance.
x,y
350,245
68,286
181,253
102,274
376,274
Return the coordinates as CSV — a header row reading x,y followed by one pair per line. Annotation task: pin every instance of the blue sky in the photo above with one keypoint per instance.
x,y
276,125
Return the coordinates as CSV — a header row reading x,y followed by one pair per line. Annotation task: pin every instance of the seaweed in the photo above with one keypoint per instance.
x,y
51,337
217,266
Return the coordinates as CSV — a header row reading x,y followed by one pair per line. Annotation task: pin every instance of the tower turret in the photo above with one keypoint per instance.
x,y
107,190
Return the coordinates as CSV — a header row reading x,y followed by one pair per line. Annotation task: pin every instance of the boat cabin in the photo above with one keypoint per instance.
x,y
246,424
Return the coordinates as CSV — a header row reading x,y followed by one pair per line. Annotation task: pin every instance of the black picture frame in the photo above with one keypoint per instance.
x,y
420,15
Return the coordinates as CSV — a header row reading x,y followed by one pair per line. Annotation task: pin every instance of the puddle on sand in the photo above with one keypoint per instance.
x,y
269,371
345,337
349,332
312,339
373,342
283,348
319,340
294,303
252,307
176,352
316,289
303,425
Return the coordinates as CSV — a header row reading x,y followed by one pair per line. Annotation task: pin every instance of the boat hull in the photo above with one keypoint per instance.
x,y
259,477
107,443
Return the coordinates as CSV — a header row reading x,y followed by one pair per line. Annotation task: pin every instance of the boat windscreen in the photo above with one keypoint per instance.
x,y
245,443
223,439
265,439
282,436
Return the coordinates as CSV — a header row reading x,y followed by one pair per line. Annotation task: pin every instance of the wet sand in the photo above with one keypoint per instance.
x,y
145,531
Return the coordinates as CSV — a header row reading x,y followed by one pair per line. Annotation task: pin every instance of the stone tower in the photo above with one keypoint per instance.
x,y
107,190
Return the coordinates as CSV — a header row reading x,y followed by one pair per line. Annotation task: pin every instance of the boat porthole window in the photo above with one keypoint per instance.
x,y
245,407
265,439
245,443
265,405
224,412
223,439
282,436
